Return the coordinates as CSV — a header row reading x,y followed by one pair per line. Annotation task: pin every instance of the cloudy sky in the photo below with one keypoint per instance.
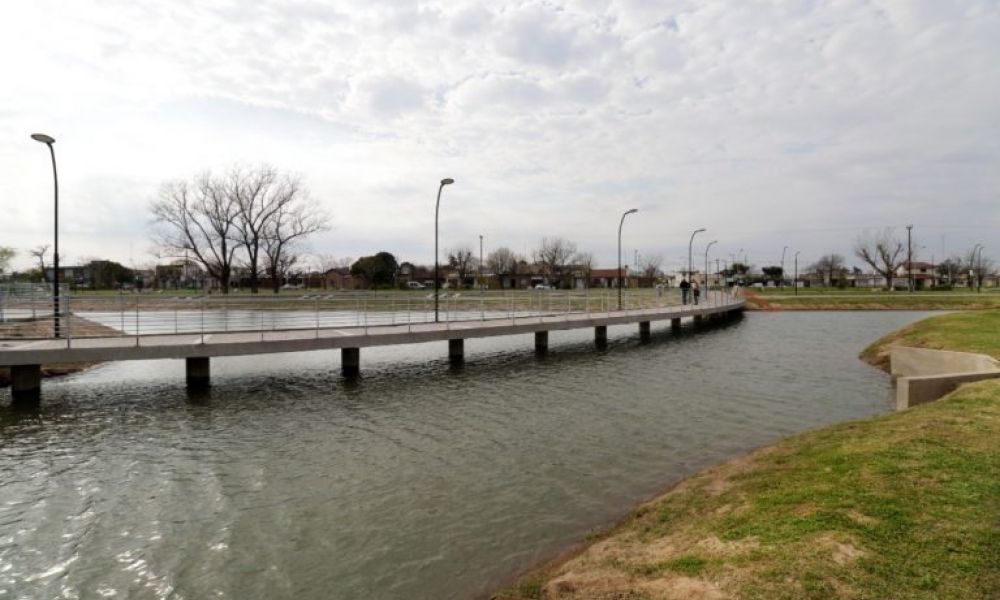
x,y
798,122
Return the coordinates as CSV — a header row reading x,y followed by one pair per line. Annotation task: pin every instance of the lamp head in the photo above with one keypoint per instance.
x,y
447,181
41,137
700,230
631,211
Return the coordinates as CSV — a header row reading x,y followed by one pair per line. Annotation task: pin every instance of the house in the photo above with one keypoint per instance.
x,y
922,274
340,278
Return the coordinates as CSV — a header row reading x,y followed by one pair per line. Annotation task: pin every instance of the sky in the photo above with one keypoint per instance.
x,y
798,123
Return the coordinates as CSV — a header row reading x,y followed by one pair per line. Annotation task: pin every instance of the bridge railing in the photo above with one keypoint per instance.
x,y
141,314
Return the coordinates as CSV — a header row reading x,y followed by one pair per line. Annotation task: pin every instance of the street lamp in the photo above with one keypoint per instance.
x,y
691,241
781,282
437,278
795,283
979,271
48,141
708,285
620,223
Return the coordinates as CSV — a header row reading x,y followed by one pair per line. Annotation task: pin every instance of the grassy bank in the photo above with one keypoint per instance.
x,y
905,505
974,331
824,299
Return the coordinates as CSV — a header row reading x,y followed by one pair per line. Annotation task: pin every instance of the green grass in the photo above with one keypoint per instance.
x,y
863,299
905,505
972,331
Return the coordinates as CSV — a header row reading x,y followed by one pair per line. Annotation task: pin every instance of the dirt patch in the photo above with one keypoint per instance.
x,y
683,588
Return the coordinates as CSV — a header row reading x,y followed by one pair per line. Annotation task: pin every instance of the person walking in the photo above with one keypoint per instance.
x,y
685,290
696,291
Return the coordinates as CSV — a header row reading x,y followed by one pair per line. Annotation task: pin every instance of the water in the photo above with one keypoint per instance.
x,y
420,481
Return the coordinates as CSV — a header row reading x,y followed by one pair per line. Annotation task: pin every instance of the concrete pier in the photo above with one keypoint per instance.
x,y
644,334
541,342
456,351
601,336
26,383
198,372
350,362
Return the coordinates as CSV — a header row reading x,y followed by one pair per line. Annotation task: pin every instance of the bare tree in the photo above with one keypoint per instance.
x,y
263,195
462,260
882,251
40,252
829,266
502,261
651,264
199,218
554,254
287,226
7,255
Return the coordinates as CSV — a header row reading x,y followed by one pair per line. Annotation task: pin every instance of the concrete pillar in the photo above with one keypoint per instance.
x,y
601,336
644,334
197,371
541,342
675,325
26,383
456,351
350,362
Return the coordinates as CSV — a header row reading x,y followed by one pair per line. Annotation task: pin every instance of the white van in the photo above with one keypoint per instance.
x,y
415,285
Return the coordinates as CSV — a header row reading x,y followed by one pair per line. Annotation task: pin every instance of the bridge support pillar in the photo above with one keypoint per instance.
x,y
197,371
26,383
350,362
456,351
644,334
601,336
541,342
675,325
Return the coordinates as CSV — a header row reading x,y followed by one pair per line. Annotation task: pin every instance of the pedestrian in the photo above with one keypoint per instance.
x,y
696,291
685,290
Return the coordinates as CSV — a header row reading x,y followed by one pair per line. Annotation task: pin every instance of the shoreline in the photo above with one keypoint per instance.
x,y
622,559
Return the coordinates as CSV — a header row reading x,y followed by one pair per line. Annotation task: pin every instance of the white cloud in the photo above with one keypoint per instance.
x,y
796,122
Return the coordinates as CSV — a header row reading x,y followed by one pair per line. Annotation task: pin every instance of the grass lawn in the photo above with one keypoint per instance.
x,y
905,505
826,299
972,331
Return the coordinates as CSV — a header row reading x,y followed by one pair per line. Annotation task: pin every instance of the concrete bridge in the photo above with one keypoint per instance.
x,y
25,358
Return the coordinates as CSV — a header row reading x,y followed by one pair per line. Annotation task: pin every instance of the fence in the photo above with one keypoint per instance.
x,y
30,315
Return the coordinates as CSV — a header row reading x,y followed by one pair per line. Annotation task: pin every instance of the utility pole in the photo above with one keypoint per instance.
x,y
795,282
480,262
909,256
781,280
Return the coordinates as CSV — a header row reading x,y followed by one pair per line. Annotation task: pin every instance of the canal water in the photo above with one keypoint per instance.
x,y
420,481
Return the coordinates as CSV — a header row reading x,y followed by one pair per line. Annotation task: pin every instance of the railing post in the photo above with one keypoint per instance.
x,y
203,317
69,322
137,319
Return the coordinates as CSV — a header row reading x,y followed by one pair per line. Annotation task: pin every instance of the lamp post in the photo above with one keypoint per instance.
x,y
781,282
708,284
48,141
480,279
620,223
979,271
437,277
690,242
795,283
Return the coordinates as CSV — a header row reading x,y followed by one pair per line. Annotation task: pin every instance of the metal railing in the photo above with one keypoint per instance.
x,y
30,316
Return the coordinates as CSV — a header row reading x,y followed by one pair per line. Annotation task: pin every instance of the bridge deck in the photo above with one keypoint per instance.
x,y
196,345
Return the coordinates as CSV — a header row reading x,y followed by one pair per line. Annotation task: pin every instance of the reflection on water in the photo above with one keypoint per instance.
x,y
419,481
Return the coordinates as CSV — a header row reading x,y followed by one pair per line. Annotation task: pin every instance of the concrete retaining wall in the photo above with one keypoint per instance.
x,y
924,375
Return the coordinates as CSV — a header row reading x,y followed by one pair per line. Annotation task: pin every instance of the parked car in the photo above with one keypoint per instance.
x,y
415,285
543,286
